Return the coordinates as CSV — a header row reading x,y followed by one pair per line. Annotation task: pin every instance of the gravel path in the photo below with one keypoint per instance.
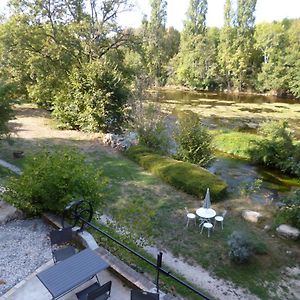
x,y
24,247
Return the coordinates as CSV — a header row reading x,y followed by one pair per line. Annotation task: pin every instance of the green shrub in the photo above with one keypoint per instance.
x,y
182,175
240,247
277,148
289,213
50,180
94,98
6,112
151,128
194,143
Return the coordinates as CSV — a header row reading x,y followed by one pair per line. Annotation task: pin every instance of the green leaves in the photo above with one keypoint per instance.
x,y
51,179
93,99
194,144
277,148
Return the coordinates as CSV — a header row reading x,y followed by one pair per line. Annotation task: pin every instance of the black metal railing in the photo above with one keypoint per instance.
x,y
78,210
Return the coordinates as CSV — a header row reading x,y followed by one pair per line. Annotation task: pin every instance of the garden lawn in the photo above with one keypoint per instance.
x,y
154,210
147,207
4,175
234,142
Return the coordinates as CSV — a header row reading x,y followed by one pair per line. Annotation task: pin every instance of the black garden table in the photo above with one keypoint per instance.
x,y
70,273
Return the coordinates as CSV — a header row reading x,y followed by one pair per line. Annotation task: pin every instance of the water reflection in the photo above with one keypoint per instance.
x,y
187,97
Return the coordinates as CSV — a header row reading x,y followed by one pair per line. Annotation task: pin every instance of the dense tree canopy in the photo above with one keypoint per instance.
x,y
46,44
73,58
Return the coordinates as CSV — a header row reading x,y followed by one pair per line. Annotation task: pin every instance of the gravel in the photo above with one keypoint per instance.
x,y
24,246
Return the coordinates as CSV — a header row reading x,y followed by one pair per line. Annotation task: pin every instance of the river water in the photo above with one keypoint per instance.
x,y
262,186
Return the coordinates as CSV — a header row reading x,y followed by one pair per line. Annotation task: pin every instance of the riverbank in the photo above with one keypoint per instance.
x,y
226,111
152,209
231,93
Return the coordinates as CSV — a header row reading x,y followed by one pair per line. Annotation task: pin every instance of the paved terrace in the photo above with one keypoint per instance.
x,y
32,289
122,276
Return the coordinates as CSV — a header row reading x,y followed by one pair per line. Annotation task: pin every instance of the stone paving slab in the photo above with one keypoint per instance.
x,y
32,289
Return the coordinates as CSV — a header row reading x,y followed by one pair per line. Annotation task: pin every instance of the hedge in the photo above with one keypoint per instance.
x,y
185,176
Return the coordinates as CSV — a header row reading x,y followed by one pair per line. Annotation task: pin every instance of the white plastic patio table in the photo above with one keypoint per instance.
x,y
71,272
206,213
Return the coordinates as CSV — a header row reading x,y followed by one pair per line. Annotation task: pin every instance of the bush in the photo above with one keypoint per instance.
x,y
289,213
94,98
182,175
241,249
277,148
194,143
50,180
152,130
6,112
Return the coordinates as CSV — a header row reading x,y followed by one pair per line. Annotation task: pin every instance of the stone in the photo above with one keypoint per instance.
x,y
8,212
251,216
267,228
120,142
288,232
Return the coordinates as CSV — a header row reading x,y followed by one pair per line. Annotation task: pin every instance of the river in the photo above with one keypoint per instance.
x,y
240,112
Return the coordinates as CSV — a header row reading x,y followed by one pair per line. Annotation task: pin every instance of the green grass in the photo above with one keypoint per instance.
x,y
149,207
185,176
4,175
234,142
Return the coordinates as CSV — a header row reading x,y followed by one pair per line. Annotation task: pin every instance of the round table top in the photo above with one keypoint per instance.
x,y
206,213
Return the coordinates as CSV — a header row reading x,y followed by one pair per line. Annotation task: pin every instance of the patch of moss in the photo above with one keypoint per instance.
x,y
185,176
236,143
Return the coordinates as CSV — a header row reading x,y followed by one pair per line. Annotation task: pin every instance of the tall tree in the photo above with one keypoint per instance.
x,y
271,42
293,58
236,50
50,48
192,64
226,49
155,51
243,58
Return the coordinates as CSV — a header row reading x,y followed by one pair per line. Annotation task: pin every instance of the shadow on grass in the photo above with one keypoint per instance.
x,y
129,183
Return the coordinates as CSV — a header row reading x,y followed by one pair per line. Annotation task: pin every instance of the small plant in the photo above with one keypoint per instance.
x,y
6,112
194,143
152,129
246,189
50,180
277,148
241,248
289,213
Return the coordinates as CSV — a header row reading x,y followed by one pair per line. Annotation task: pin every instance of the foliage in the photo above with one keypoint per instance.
x,y
58,51
151,127
6,112
193,140
154,48
192,67
51,179
289,213
247,189
94,98
277,148
184,176
236,49
240,247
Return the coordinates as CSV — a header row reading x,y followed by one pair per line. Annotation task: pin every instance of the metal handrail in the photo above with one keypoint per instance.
x,y
156,266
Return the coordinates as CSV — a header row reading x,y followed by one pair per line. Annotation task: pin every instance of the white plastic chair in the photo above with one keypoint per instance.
x,y
208,226
190,216
221,218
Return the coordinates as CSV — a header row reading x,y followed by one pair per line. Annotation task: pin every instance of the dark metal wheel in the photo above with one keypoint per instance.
x,y
77,212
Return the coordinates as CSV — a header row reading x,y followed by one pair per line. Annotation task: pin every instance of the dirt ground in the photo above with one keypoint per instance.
x,y
33,125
